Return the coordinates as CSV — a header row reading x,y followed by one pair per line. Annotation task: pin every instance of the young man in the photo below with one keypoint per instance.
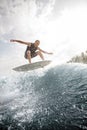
x,y
32,49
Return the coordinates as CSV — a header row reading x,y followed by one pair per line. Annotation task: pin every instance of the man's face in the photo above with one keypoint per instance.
x,y
37,43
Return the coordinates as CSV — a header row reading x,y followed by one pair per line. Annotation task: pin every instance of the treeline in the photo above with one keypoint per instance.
x,y
82,58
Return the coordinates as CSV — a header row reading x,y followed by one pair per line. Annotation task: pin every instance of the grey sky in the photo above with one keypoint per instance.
x,y
13,12
10,7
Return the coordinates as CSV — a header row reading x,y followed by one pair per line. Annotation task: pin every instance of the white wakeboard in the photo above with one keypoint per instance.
x,y
32,66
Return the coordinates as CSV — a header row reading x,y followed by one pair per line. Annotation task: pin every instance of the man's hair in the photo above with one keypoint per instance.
x,y
37,41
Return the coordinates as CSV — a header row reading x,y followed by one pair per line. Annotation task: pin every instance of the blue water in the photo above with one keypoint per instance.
x,y
54,99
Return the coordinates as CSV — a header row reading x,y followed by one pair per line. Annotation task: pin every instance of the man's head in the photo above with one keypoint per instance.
x,y
37,42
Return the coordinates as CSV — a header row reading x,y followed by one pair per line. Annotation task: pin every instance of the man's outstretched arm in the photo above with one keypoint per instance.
x,y
45,51
22,42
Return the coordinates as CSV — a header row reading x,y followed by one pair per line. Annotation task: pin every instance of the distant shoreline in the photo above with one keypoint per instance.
x,y
82,58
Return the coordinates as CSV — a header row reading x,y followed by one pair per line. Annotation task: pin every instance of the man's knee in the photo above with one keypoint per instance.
x,y
28,53
38,52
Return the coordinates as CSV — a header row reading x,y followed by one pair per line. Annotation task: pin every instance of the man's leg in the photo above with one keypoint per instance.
x,y
40,54
29,56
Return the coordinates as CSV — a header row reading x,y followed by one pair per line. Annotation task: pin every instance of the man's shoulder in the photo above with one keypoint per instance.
x,y
29,44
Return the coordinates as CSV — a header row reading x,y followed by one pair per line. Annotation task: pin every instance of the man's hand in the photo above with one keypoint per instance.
x,y
50,53
12,40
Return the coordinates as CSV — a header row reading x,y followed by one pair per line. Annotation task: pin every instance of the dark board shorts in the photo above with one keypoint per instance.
x,y
33,54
